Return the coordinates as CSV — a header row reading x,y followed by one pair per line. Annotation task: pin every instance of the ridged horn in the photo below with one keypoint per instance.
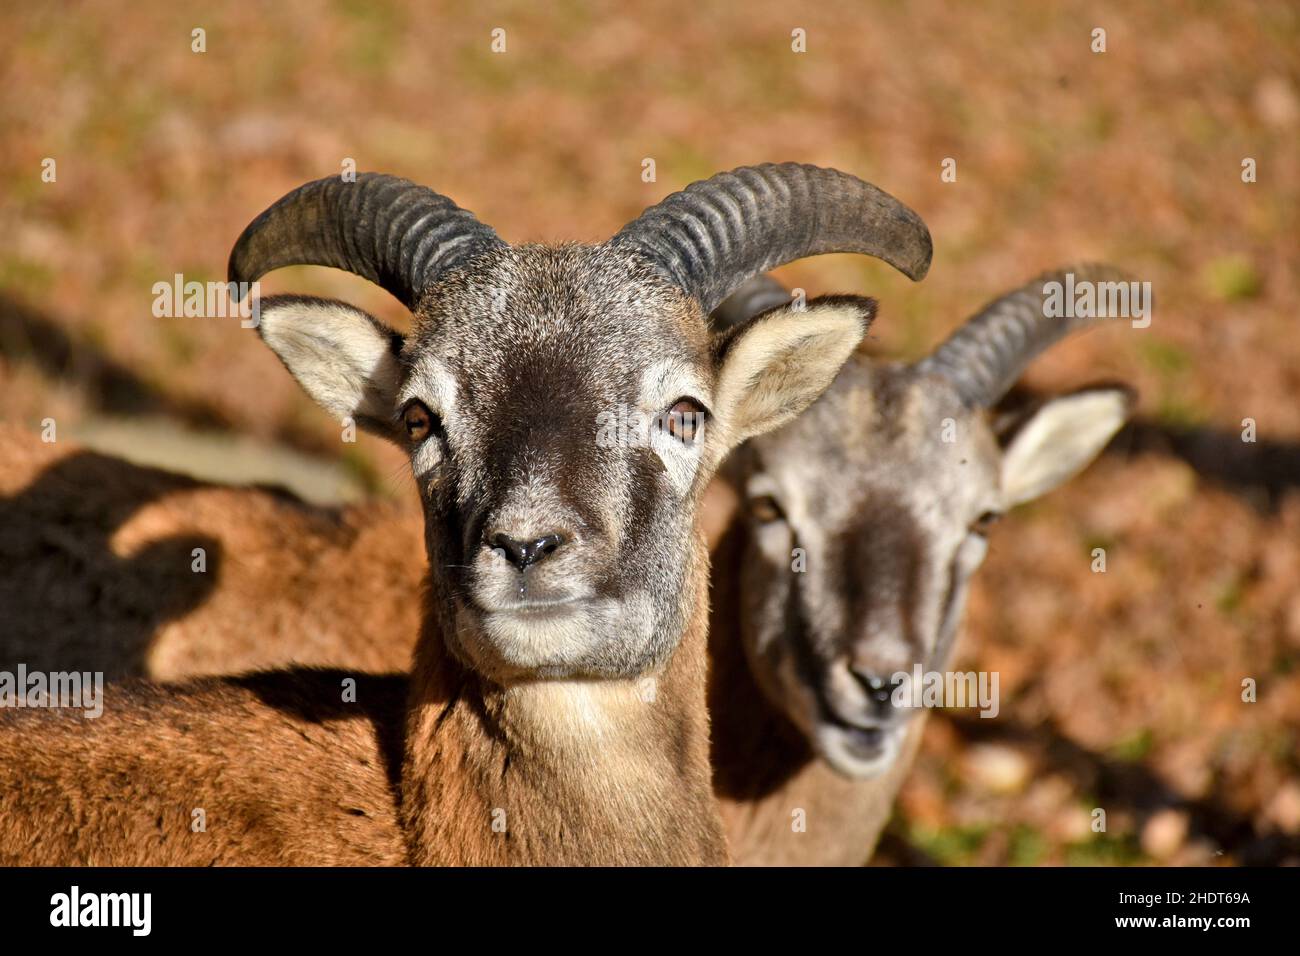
x,y
397,234
715,234
755,295
988,352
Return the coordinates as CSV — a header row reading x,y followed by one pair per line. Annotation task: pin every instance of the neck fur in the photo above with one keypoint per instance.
x,y
560,772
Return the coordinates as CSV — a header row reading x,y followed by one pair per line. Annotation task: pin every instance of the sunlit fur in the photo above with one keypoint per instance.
x,y
527,695
883,528
866,519
536,343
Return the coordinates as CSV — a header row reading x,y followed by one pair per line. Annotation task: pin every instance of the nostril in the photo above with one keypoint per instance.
x,y
522,554
509,548
879,689
546,545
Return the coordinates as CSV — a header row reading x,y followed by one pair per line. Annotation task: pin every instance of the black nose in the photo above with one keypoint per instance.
x,y
879,689
523,553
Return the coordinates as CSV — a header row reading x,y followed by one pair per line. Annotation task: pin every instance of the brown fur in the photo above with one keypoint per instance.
x,y
279,778
77,526
292,563
283,769
635,793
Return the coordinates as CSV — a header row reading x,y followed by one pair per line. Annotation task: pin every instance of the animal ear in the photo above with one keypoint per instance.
x,y
1059,438
774,366
345,359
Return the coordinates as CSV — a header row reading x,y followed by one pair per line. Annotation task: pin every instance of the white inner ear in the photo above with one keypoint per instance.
x,y
1059,441
342,357
781,365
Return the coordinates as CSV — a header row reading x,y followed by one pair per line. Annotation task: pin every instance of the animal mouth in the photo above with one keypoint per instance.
x,y
864,743
534,610
867,739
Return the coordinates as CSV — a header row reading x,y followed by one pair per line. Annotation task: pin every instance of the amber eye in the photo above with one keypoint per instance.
x,y
764,509
684,420
985,521
419,421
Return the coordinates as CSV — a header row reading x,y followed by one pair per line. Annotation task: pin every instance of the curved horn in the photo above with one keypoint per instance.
x,y
755,295
987,353
715,234
395,233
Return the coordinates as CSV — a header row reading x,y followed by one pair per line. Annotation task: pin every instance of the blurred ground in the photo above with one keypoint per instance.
x,y
1120,690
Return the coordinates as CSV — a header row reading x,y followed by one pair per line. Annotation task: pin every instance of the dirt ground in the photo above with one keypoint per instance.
x,y
1120,690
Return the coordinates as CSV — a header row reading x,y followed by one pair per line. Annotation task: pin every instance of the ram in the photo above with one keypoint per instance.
x,y
564,574
864,521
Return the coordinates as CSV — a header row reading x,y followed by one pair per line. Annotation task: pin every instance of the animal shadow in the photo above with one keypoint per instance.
x,y
70,600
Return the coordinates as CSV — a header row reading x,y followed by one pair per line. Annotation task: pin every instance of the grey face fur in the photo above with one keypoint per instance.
x,y
548,344
867,516
559,547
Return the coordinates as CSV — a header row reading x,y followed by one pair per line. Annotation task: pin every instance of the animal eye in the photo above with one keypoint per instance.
x,y
420,423
684,420
985,521
764,509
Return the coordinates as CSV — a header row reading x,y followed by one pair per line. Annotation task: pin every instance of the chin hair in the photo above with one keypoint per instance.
x,y
574,644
